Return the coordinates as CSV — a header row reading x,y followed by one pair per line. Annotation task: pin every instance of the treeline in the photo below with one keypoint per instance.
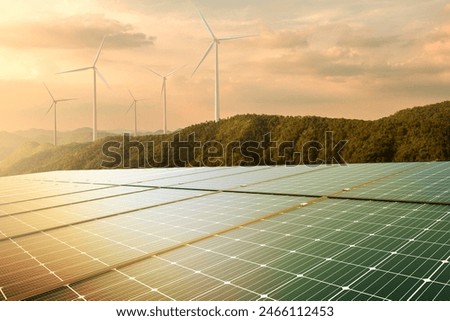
x,y
417,134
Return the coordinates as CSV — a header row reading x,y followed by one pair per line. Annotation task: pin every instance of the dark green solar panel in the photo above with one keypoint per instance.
x,y
286,264
327,180
429,183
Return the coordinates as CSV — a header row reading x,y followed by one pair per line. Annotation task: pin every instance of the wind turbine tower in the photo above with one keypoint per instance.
x,y
53,105
94,102
134,104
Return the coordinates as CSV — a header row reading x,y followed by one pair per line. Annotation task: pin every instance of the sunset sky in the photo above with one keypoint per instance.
x,y
354,59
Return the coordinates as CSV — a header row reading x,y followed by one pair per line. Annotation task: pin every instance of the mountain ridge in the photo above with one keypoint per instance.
x,y
415,134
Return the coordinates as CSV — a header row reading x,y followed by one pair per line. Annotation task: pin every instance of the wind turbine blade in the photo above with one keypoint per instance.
x,y
235,37
66,99
154,72
74,70
49,91
174,71
163,87
207,25
131,95
204,56
101,77
51,106
99,51
131,106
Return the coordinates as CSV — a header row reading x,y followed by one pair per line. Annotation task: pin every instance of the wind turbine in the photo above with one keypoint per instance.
x,y
95,72
134,104
164,93
215,43
53,105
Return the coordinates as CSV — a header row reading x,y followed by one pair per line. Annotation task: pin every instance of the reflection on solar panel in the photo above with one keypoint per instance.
x,y
357,232
429,183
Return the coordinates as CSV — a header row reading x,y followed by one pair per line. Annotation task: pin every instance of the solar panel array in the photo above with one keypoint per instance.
x,y
356,232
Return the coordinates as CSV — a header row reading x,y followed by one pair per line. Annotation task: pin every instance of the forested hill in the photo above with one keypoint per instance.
x,y
416,134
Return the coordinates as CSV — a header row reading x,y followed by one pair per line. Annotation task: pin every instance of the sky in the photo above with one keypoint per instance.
x,y
347,59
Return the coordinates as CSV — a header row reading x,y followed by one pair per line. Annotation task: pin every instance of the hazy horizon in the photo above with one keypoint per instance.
x,y
362,60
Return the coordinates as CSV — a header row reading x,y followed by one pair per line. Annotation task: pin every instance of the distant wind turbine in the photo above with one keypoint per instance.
x,y
53,105
164,93
134,104
215,43
95,71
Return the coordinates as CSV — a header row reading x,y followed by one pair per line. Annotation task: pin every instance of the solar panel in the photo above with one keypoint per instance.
x,y
130,199
257,233
246,176
290,264
430,183
327,180
19,190
76,250
105,192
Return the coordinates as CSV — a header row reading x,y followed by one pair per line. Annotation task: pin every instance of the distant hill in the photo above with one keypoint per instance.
x,y
416,134
79,135
10,142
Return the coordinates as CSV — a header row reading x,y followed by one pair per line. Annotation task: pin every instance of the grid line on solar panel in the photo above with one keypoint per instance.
x,y
434,293
227,172
256,268
44,197
121,177
221,282
40,271
36,200
61,294
248,177
356,198
321,257
57,201
145,285
3,296
271,205
376,220
324,239
428,279
34,222
429,184
339,287
41,190
330,181
393,253
94,176
434,237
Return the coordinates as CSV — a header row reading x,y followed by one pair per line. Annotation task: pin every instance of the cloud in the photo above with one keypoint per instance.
x,y
82,31
360,40
290,39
